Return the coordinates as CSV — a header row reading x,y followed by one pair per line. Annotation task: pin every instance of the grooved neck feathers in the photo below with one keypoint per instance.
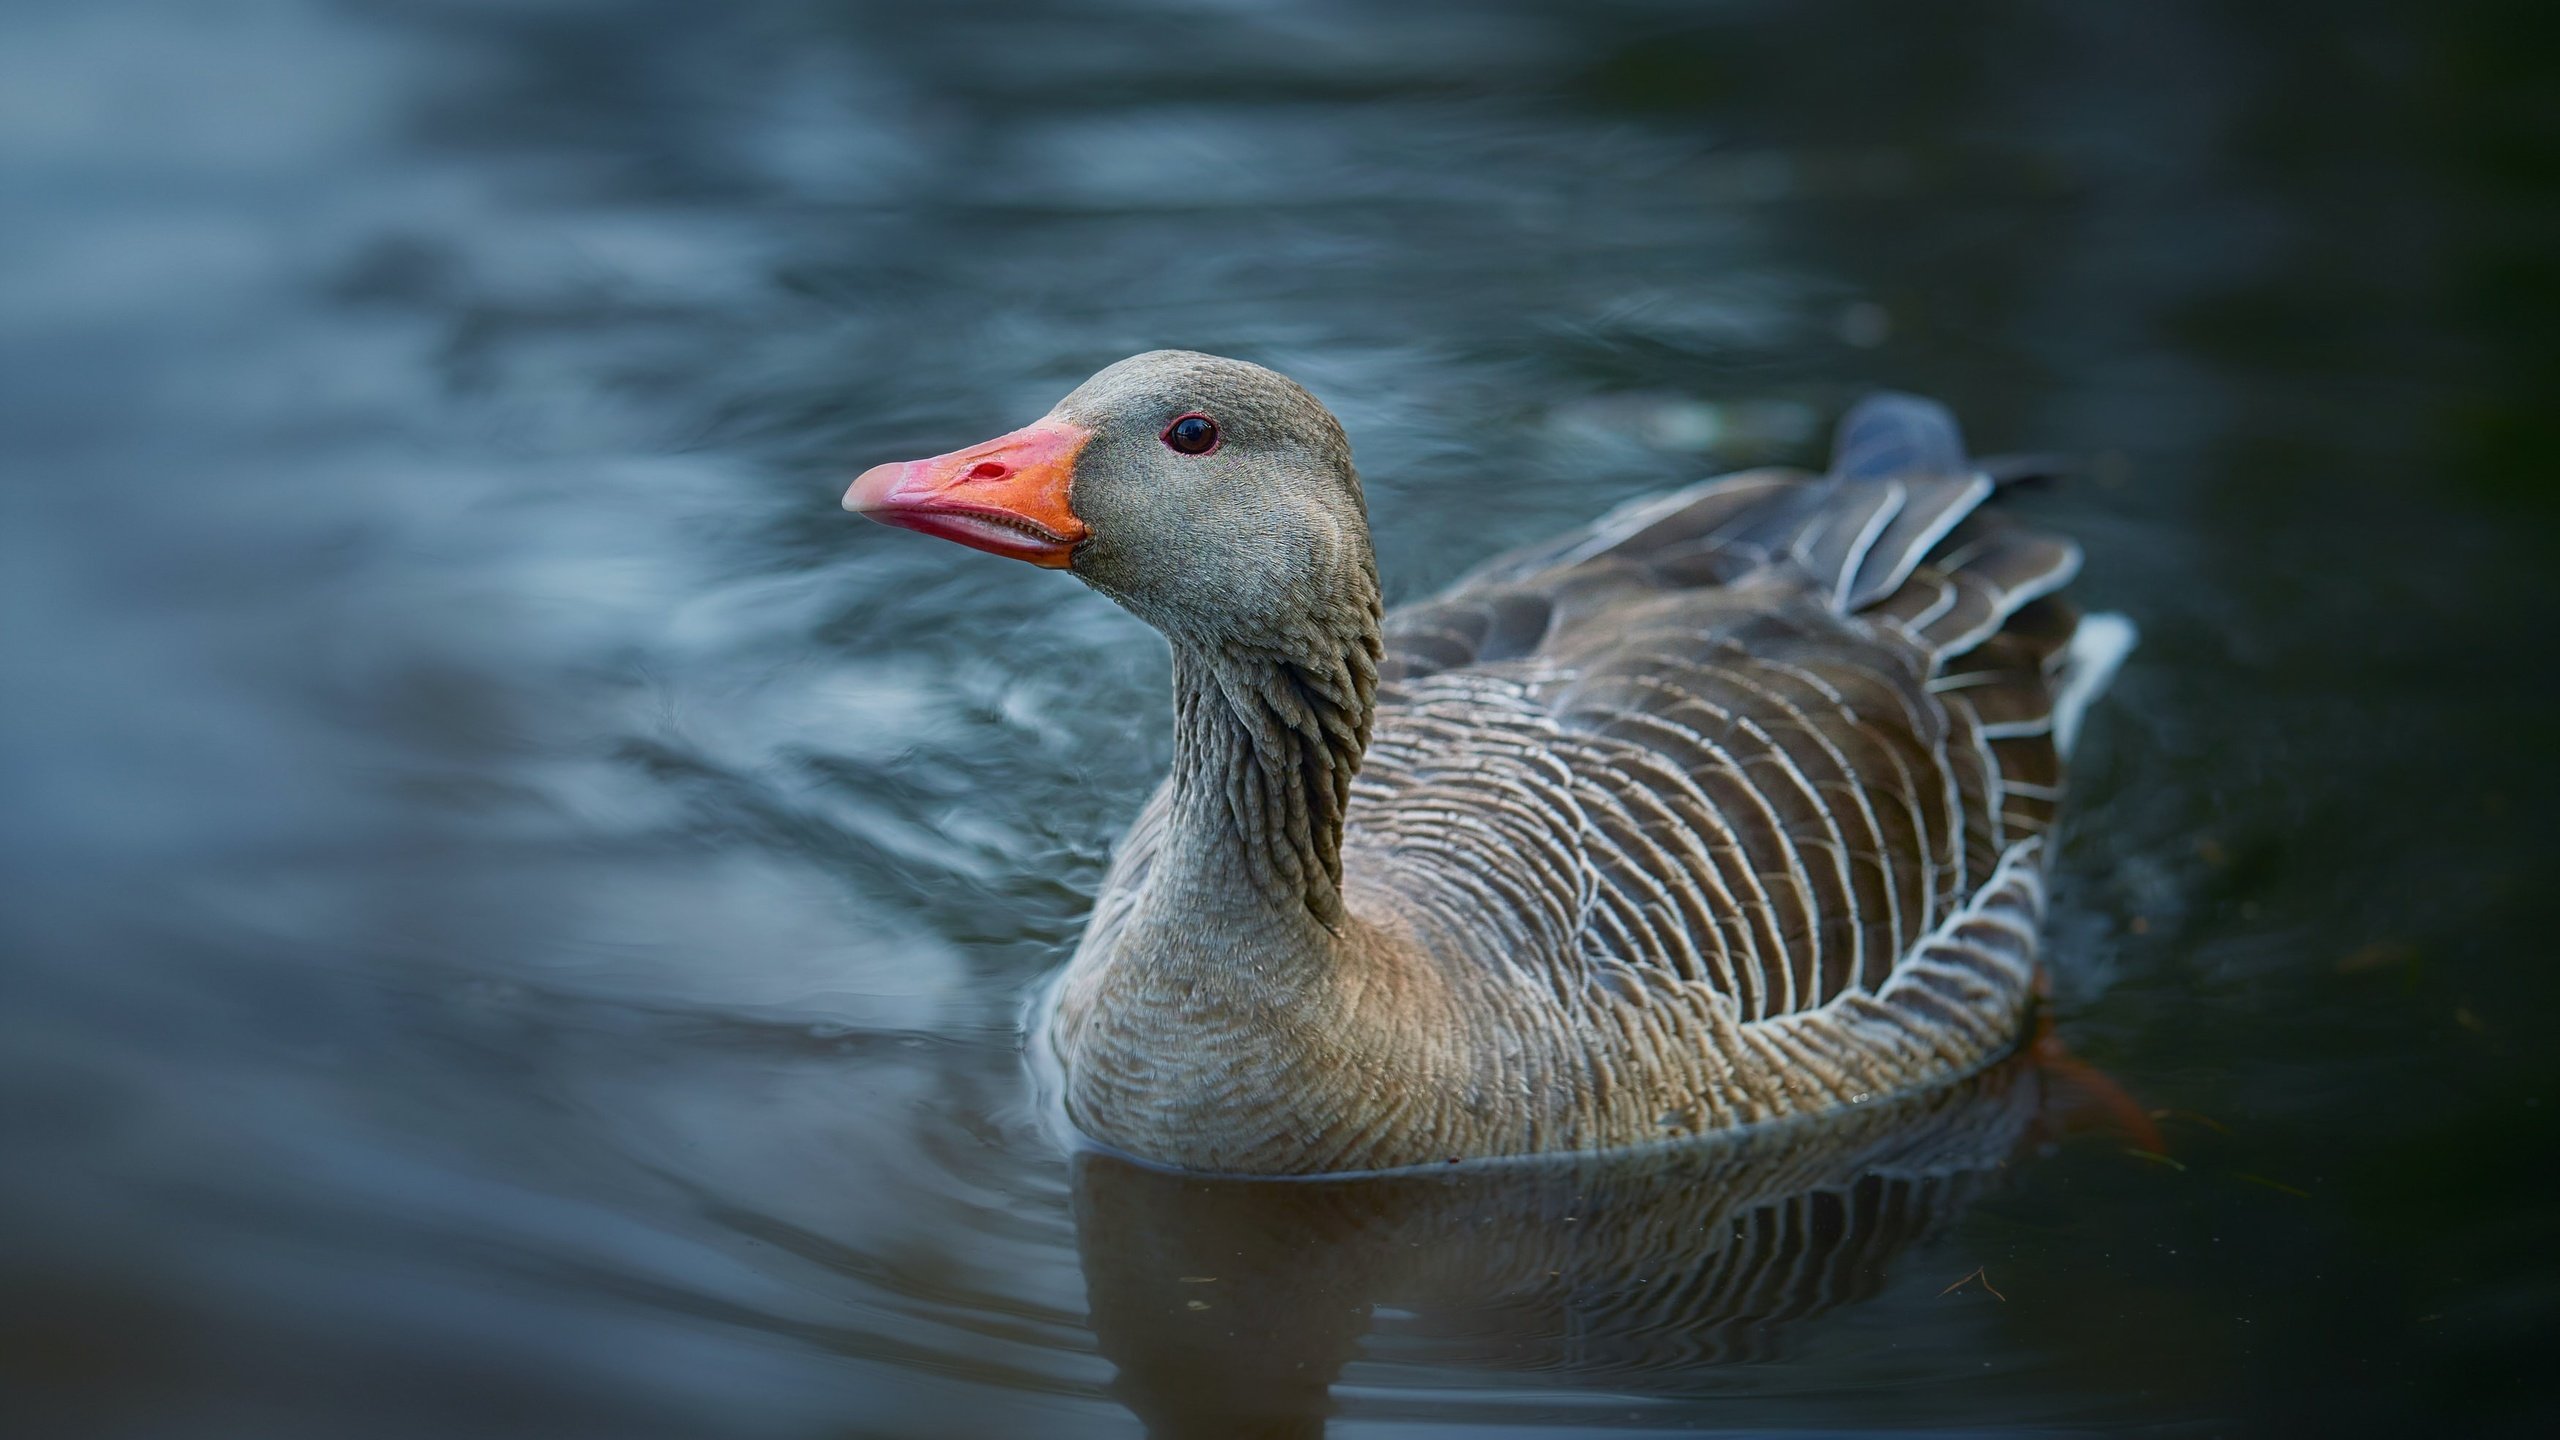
x,y
1267,739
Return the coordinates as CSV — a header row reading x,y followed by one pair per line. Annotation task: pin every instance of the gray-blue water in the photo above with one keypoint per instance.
x,y
517,910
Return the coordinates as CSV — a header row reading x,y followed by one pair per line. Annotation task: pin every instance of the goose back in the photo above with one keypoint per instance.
x,y
1781,743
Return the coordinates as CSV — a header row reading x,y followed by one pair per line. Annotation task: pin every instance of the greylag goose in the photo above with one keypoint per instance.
x,y
1727,808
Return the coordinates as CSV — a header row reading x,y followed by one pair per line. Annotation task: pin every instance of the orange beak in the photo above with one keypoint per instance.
x,y
1006,496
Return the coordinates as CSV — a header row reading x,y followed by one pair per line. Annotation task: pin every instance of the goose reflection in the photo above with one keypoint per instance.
x,y
1229,1306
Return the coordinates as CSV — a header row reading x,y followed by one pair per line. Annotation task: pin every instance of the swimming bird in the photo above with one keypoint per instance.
x,y
1729,807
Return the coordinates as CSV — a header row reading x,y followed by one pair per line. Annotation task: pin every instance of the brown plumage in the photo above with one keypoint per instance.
x,y
1725,808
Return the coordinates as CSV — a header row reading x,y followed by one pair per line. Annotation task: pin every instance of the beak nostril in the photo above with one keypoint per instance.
x,y
989,470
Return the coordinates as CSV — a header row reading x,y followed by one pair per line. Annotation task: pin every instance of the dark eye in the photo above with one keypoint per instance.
x,y
1192,434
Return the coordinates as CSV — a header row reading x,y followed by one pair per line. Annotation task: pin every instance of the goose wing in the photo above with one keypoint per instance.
x,y
1788,736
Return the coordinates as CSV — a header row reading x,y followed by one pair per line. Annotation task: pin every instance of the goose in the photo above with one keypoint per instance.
x,y
1731,807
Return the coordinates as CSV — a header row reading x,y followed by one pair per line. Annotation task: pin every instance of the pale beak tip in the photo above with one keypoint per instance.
x,y
872,487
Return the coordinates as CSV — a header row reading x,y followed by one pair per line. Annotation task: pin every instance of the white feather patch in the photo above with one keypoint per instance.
x,y
2098,649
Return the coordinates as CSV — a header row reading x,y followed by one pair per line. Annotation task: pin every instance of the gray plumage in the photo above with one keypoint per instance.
x,y
1727,807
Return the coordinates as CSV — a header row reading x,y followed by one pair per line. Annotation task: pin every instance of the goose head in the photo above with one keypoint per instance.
x,y
1213,498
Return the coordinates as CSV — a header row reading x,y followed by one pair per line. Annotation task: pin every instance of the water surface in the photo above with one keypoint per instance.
x,y
518,911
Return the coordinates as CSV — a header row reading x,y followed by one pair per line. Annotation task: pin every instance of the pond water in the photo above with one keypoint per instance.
x,y
518,911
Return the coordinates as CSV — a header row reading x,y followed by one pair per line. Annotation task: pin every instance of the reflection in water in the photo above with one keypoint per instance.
x,y
1231,1305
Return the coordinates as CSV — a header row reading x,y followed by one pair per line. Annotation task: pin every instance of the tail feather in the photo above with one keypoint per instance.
x,y
1847,532
1889,434
1995,574
1913,443
1932,506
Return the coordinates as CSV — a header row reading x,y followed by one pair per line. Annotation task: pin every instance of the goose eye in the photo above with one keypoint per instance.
x,y
1192,434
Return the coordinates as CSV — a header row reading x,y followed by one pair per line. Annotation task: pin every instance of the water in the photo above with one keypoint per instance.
x,y
518,911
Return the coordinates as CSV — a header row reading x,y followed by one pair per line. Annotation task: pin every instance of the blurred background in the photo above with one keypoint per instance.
x,y
517,911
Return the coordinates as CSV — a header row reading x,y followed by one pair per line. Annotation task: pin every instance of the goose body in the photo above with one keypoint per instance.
x,y
1726,808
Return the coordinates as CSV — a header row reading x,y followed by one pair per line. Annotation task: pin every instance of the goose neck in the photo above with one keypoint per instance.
x,y
1267,738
